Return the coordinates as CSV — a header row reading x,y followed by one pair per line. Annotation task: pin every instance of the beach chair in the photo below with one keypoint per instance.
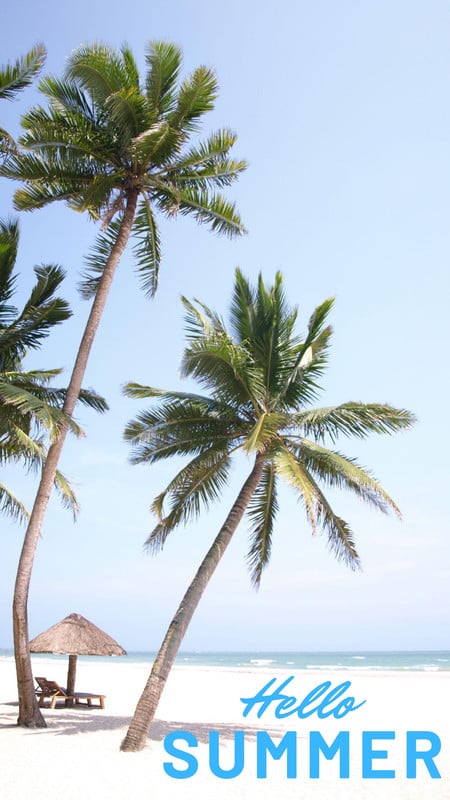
x,y
50,690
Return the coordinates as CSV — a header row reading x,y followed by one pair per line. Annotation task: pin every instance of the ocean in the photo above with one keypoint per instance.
x,y
417,660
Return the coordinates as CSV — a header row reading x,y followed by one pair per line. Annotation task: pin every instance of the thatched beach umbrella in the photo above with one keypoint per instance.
x,y
75,636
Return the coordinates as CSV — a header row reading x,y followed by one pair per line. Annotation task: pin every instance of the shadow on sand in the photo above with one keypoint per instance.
x,y
73,721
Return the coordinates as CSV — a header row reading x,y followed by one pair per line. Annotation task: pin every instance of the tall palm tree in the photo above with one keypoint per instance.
x,y
262,378
30,406
120,150
14,78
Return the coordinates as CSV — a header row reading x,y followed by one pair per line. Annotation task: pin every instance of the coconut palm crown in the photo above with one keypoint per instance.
x,y
30,405
262,379
106,140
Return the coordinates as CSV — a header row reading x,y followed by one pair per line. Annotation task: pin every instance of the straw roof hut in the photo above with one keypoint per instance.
x,y
75,635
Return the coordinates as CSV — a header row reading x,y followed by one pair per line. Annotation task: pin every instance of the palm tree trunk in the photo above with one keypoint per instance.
x,y
148,702
29,712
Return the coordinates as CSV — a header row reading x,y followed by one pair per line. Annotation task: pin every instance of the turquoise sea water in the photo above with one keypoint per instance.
x,y
423,661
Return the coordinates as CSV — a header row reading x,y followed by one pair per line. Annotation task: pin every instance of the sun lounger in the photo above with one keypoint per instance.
x,y
50,690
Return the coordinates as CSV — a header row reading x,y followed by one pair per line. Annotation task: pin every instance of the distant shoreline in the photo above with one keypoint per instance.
x,y
349,661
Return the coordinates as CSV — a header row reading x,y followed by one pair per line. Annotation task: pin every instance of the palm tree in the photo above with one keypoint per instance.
x,y
262,378
14,78
30,406
121,151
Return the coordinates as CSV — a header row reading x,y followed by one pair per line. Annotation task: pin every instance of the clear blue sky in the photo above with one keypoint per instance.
x,y
342,110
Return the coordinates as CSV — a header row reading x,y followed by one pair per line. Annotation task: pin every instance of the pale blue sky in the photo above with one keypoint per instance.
x,y
342,110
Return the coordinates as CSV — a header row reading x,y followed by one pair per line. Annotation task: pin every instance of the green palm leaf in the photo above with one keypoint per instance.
x,y
9,239
15,77
193,488
181,427
196,96
262,511
340,536
164,62
155,145
66,494
208,209
101,72
12,506
337,470
147,249
352,419
27,403
297,476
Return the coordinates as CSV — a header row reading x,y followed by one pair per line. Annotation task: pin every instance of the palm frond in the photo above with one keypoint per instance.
x,y
39,194
18,446
100,71
294,473
264,432
100,198
181,427
208,209
207,154
299,385
41,312
193,488
69,129
164,62
221,366
318,509
28,402
337,470
90,399
127,113
8,147
201,322
12,506
262,511
196,96
140,391
49,279
207,164
154,145
9,240
147,250
352,419
58,176
339,534
65,97
15,77
66,494
130,65
242,309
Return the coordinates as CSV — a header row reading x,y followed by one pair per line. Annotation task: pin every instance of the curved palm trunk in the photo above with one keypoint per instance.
x,y
29,712
148,702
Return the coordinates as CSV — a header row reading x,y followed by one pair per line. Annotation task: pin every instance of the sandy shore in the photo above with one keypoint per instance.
x,y
77,756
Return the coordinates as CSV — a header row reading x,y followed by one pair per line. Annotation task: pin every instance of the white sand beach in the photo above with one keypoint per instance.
x,y
77,756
